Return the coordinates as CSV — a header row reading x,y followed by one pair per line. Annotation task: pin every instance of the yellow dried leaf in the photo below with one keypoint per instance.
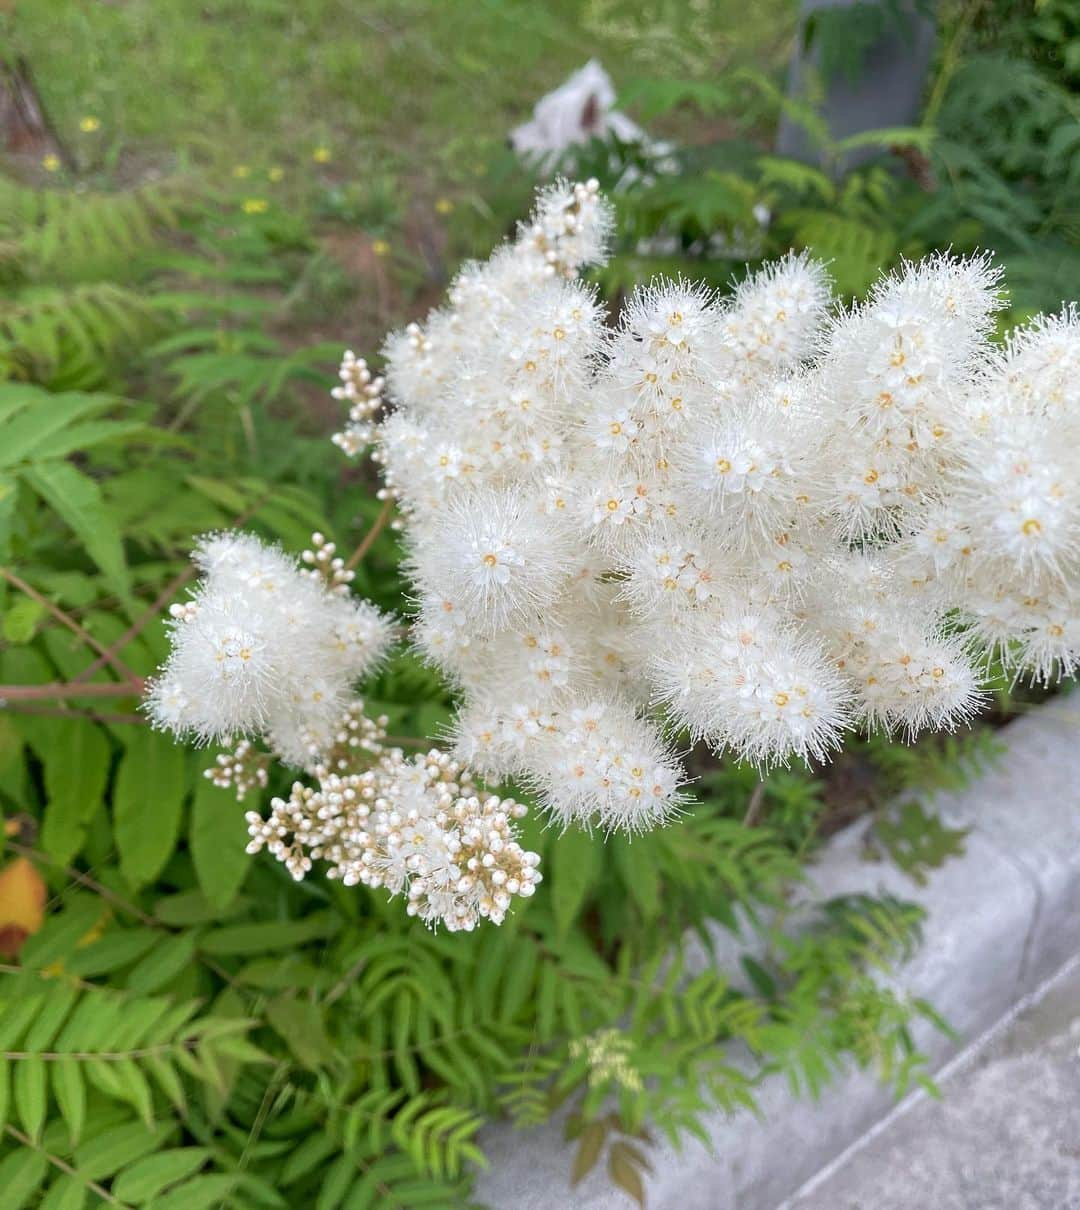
x,y
22,904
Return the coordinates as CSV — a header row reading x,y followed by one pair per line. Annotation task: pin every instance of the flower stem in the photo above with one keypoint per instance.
x,y
369,538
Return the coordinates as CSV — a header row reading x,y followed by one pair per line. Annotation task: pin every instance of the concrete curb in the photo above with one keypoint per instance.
x,y
1000,920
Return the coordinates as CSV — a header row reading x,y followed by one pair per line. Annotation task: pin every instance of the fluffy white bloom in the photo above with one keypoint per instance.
x,y
789,519
756,521
263,647
747,680
495,557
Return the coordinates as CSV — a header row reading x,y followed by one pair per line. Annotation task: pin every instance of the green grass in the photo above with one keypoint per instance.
x,y
423,88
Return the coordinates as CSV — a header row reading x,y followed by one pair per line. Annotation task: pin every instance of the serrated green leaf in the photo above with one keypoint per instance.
x,y
76,498
22,436
573,859
300,1024
76,770
147,803
218,838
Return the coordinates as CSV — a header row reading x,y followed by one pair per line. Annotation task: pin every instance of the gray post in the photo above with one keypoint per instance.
x,y
889,91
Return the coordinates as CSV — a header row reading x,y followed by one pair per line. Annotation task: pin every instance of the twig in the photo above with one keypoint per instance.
x,y
369,538
64,689
91,884
106,1056
140,623
753,808
107,656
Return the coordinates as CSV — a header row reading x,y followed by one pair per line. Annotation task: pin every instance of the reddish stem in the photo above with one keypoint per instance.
x,y
107,656
152,611
65,689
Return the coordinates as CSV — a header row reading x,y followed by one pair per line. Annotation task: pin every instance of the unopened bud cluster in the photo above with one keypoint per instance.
x,y
363,393
417,827
242,770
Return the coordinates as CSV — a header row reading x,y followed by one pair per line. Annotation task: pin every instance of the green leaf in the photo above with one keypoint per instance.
x,y
108,1152
267,936
147,801
573,858
70,1093
117,949
8,496
301,1026
76,761
21,619
218,838
30,1098
21,1173
65,1193
146,1178
919,137
201,1193
163,963
76,498
639,871
21,437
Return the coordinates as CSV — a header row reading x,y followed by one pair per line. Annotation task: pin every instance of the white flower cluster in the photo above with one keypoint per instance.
x,y
758,521
416,826
268,649
774,518
264,649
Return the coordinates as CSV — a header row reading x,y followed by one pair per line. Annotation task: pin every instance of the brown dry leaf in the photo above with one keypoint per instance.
x,y
22,904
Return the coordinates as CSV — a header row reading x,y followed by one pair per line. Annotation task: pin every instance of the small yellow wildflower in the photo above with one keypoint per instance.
x,y
444,205
276,173
51,163
322,155
255,205
380,247
241,171
89,124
